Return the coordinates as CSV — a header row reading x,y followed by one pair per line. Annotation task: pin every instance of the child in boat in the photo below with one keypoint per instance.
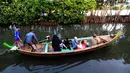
x,y
82,45
85,43
67,43
79,45
17,37
29,40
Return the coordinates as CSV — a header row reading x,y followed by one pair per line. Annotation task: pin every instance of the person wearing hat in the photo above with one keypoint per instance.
x,y
17,36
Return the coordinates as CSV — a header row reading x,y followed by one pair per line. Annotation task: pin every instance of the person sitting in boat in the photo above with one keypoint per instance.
x,y
17,37
56,43
67,43
48,38
29,40
85,43
74,43
97,40
79,45
82,44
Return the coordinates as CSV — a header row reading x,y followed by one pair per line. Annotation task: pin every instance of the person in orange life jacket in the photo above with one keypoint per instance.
x,y
17,36
29,40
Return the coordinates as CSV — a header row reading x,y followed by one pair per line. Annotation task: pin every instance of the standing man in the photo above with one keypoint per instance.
x,y
29,40
17,36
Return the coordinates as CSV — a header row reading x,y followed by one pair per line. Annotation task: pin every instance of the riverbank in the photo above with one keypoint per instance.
x,y
93,16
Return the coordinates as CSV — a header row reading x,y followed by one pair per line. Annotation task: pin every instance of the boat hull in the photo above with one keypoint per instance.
x,y
71,52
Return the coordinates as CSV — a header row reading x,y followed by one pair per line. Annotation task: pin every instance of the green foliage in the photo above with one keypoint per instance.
x,y
29,11
116,8
71,11
19,12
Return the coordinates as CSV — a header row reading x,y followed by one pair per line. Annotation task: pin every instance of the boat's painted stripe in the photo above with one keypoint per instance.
x,y
46,47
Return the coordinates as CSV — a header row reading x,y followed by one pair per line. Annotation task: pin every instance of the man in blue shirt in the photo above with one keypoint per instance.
x,y
17,36
29,40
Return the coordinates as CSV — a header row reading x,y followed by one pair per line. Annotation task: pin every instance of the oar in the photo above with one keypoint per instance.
x,y
42,41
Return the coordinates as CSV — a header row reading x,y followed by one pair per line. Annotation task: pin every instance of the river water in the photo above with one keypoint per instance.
x,y
112,59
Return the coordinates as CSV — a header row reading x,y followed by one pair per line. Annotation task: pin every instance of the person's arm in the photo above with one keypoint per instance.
x,y
35,38
19,36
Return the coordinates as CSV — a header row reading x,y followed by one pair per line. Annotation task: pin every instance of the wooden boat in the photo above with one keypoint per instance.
x,y
45,53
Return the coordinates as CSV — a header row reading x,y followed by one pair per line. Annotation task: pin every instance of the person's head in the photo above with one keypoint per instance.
x,y
55,37
18,27
112,35
48,37
66,39
82,42
75,38
94,35
31,30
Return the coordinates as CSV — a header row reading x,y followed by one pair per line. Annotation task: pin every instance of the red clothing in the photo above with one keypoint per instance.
x,y
84,45
81,46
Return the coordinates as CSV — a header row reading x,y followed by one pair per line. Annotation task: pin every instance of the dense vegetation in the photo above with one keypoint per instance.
x,y
26,12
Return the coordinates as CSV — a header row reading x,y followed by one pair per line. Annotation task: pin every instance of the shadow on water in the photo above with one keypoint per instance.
x,y
118,51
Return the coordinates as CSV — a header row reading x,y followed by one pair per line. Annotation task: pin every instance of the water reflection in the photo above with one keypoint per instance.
x,y
86,62
117,55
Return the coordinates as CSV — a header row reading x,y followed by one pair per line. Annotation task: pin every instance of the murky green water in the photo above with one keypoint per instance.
x,y
112,59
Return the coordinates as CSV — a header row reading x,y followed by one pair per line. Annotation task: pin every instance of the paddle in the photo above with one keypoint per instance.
x,y
42,41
